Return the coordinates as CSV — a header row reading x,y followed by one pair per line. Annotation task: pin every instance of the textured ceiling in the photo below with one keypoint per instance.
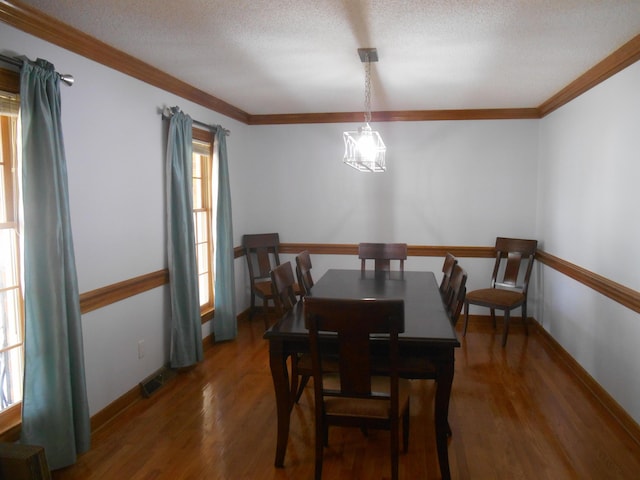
x,y
300,56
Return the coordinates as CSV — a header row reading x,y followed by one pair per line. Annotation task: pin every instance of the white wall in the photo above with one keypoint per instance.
x,y
115,160
588,214
453,183
447,183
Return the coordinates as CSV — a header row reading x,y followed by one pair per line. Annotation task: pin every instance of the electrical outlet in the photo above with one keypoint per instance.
x,y
140,348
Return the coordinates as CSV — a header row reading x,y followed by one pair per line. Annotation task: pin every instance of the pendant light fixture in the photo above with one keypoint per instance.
x,y
364,149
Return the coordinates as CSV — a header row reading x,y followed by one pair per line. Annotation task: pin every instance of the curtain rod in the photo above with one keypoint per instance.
x,y
17,62
167,113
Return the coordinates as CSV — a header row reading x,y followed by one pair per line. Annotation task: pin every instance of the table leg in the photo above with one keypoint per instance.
x,y
444,381
280,375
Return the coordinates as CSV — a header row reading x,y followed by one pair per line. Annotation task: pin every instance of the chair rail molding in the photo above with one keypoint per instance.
x,y
615,291
626,296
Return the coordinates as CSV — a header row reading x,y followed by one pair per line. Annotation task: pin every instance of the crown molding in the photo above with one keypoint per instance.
x,y
35,22
396,116
626,55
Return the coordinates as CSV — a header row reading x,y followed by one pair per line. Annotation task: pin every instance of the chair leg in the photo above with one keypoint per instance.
x,y
319,448
301,387
252,305
466,318
265,313
493,316
524,318
321,441
394,449
294,377
506,328
405,430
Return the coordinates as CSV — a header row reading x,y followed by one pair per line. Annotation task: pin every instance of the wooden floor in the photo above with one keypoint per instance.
x,y
516,413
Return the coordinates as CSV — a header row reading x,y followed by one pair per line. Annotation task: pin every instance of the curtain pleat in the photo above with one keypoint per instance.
x,y
224,323
55,412
186,328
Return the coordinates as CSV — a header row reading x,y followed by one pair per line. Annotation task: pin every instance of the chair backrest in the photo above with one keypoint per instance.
x,y
303,271
262,252
282,286
382,254
457,292
447,269
514,263
354,321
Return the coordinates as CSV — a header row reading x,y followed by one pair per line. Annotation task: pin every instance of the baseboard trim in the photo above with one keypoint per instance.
x,y
127,400
111,411
617,412
607,401
600,394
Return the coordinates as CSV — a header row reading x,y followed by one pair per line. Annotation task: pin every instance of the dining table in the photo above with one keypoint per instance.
x,y
426,346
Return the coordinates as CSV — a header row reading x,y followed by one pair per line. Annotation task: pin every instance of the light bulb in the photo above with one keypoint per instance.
x,y
366,146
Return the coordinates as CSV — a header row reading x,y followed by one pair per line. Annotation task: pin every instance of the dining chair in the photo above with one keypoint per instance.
x,y
262,251
305,280
509,282
382,254
457,292
452,301
353,396
283,285
447,269
285,299
303,272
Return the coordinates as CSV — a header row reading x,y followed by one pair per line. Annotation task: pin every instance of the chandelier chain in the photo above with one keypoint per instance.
x,y
367,89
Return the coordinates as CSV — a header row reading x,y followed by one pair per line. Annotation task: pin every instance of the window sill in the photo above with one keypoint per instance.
x,y
207,314
10,423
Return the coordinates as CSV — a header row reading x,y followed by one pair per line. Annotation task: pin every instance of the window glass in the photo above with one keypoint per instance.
x,y
11,305
203,215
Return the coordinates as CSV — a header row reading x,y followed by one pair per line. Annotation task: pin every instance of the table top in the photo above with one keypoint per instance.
x,y
426,321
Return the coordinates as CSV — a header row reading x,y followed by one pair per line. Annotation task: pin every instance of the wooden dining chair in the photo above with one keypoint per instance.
x,y
285,299
382,254
262,253
283,288
509,282
353,396
305,280
303,272
447,269
457,292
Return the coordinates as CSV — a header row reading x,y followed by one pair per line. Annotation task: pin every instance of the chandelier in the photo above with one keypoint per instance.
x,y
364,149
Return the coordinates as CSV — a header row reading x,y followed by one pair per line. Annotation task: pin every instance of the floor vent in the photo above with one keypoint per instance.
x,y
152,383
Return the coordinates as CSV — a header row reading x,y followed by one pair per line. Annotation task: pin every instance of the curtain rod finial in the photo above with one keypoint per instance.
x,y
67,79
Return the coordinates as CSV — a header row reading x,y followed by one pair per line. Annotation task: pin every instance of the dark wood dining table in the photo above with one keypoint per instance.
x,y
427,344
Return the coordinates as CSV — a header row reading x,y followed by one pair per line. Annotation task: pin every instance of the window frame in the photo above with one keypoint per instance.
x,y
11,418
207,201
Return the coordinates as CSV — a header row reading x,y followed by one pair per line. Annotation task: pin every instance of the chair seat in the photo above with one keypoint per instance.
x,y
264,288
365,407
305,366
495,298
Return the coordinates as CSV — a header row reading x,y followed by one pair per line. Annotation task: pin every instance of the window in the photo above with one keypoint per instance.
x,y
11,298
204,197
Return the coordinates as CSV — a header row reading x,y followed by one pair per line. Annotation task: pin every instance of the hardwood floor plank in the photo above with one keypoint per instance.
x,y
515,412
